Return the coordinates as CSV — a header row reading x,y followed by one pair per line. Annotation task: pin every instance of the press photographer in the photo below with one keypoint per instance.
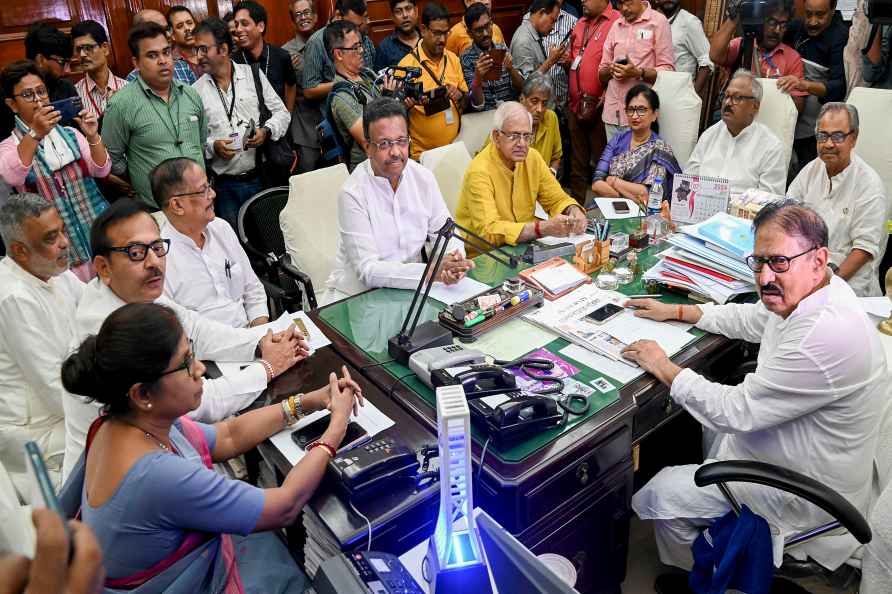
x,y
875,67
436,119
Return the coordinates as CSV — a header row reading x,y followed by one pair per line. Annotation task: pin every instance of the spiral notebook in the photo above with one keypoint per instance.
x,y
695,198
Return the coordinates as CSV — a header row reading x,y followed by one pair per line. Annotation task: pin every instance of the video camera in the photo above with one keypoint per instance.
x,y
879,12
752,13
408,85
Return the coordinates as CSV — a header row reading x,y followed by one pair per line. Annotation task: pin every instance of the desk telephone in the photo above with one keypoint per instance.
x,y
516,415
364,572
369,467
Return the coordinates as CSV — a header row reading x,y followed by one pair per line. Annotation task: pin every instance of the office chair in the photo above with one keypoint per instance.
x,y
259,232
448,164
778,113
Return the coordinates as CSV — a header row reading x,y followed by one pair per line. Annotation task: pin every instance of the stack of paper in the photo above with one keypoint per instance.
x,y
557,279
709,258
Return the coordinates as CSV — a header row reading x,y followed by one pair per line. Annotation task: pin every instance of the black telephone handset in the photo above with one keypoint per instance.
x,y
478,381
369,467
521,414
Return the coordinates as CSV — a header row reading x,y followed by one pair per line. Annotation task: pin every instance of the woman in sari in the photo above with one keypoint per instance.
x,y
634,159
54,161
145,483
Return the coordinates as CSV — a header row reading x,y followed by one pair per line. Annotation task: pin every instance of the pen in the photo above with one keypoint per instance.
x,y
646,296
228,267
480,317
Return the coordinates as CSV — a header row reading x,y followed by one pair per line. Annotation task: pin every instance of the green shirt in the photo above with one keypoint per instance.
x,y
140,130
346,110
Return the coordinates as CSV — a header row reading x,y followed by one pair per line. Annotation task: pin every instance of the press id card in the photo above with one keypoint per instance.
x,y
576,62
237,142
450,117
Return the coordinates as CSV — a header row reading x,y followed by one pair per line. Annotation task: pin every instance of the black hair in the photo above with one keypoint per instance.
x,y
774,7
380,108
334,35
217,28
357,7
393,3
795,219
228,17
144,30
434,11
255,10
13,75
474,12
46,40
167,176
175,9
653,100
91,28
119,210
544,5
108,364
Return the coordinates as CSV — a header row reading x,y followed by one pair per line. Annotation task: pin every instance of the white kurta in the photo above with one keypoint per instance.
x,y
222,396
752,159
37,332
689,43
215,280
813,406
855,207
381,232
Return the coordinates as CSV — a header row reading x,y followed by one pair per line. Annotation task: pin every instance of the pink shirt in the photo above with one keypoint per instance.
x,y
780,61
647,43
14,172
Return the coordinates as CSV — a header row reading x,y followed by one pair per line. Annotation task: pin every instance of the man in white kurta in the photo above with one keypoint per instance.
x,y
121,281
387,209
38,297
851,198
738,148
207,270
812,405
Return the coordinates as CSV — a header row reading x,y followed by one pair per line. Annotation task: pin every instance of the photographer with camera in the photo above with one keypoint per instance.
x,y
436,119
875,63
771,57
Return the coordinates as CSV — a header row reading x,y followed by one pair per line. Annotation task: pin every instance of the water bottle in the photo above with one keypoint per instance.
x,y
654,202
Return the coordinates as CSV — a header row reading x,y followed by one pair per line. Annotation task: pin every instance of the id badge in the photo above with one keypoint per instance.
x,y
450,119
576,62
237,143
644,34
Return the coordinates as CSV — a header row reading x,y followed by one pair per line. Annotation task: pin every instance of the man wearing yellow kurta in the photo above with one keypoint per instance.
x,y
504,182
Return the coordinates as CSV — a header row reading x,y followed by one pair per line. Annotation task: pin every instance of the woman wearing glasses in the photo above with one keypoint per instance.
x,y
56,162
146,485
634,159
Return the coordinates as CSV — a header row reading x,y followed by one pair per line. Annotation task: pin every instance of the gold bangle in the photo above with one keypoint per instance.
x,y
291,407
97,143
300,405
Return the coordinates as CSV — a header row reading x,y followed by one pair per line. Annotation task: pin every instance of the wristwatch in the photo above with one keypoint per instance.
x,y
34,135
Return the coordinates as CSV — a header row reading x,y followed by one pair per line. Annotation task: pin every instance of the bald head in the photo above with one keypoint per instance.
x,y
149,15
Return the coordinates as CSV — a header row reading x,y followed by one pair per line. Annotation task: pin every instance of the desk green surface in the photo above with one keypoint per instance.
x,y
367,321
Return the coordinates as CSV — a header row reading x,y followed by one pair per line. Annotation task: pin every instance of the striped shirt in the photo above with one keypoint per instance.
x,y
140,130
318,67
494,91
181,72
92,97
557,74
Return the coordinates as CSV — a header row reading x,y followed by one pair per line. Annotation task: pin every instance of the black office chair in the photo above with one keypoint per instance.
x,y
885,264
260,233
844,513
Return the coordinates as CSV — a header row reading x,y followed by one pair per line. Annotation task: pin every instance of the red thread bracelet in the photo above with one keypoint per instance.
x,y
321,444
536,229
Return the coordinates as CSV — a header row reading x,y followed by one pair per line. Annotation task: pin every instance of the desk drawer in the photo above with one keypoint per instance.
x,y
578,476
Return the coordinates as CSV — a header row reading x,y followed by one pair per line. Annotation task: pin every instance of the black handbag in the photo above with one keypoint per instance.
x,y
276,158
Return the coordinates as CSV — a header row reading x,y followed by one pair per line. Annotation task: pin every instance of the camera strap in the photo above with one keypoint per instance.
x,y
438,79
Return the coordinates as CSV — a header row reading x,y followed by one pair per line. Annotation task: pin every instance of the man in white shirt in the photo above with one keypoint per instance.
x,y
813,404
850,196
231,104
208,271
689,43
387,209
38,297
739,149
130,258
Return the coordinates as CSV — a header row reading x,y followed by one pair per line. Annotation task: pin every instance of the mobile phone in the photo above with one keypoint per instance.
x,y
354,436
604,313
624,60
68,109
249,133
620,207
566,37
43,493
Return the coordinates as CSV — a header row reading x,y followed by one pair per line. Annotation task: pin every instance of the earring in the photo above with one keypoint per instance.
x,y
149,405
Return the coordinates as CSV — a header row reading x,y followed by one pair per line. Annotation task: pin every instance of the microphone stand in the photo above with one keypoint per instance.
x,y
413,337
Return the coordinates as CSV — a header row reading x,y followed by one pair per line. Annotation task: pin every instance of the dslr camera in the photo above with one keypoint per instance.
x,y
408,83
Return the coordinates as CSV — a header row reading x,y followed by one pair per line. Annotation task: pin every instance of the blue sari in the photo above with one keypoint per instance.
x,y
641,165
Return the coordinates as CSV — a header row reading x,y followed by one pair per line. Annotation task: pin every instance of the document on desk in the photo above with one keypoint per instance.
x,y
369,418
313,335
614,369
574,239
460,291
511,340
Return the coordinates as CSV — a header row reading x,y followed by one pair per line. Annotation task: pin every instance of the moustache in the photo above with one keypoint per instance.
x,y
153,274
771,289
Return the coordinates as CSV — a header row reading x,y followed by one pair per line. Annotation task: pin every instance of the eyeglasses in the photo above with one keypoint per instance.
x,y
736,99
482,29
775,24
386,145
32,95
203,49
206,191
62,61
303,14
137,252
353,48
86,48
527,137
438,34
187,363
639,111
775,263
836,137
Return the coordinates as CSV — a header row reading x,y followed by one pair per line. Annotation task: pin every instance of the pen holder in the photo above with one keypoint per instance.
x,y
591,255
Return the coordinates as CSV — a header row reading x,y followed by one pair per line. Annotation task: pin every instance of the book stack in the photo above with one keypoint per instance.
x,y
708,259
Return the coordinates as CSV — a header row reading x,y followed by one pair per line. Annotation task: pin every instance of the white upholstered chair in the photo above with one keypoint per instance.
x,y
475,127
679,112
448,164
778,112
875,130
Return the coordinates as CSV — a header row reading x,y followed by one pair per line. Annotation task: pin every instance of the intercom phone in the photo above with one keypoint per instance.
x,y
364,572
425,361
514,415
369,467
478,380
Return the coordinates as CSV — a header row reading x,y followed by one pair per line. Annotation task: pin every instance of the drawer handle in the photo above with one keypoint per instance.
x,y
582,473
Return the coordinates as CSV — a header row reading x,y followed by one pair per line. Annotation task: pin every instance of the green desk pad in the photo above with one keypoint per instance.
x,y
367,320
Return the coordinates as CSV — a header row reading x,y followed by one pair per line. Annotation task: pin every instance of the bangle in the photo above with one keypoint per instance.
x,y
680,312
34,136
97,143
321,444
299,405
269,369
536,229
287,415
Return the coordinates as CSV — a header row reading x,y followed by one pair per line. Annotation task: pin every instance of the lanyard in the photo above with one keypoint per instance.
x,y
442,76
223,99
174,129
586,38
117,87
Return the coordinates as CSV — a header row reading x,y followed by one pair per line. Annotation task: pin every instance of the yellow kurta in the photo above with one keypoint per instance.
x,y
459,40
548,138
497,202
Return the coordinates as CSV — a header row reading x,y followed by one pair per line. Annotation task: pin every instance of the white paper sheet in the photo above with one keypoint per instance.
x,y
369,418
510,340
574,239
463,289
628,328
317,339
616,370
540,213
877,306
605,205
